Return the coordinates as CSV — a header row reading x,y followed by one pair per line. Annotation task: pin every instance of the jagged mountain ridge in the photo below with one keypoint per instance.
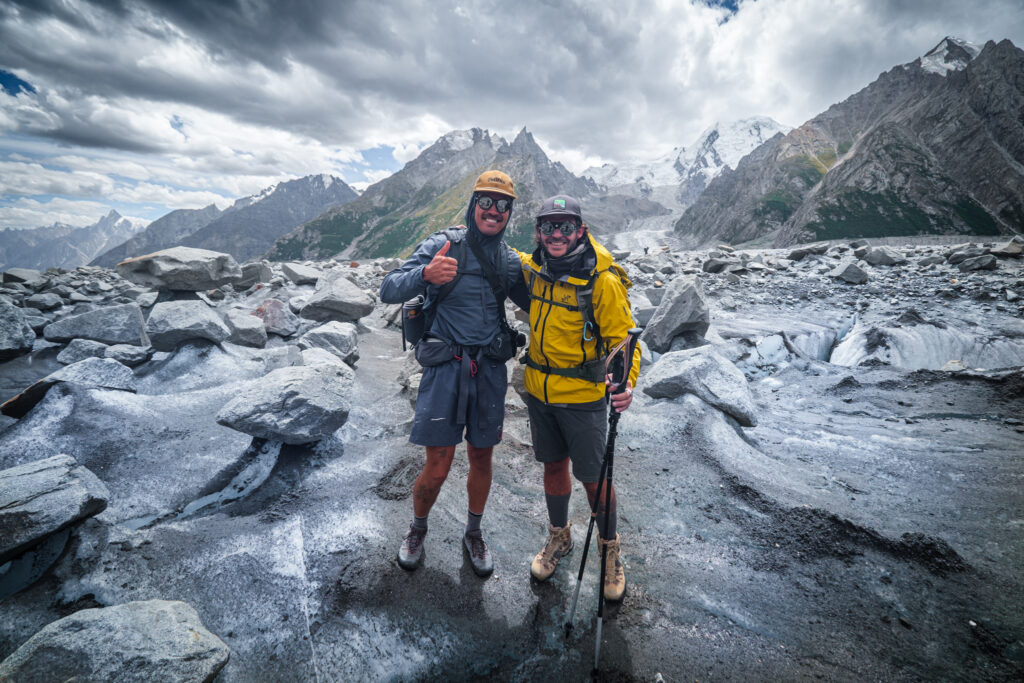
x,y
933,146
63,246
430,193
247,231
164,232
679,177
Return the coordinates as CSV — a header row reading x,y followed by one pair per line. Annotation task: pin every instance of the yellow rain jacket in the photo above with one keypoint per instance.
x,y
559,335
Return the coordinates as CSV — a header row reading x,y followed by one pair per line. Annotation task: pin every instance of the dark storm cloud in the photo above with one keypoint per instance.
x,y
610,79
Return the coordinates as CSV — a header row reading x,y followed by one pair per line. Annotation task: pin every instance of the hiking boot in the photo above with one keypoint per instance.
x,y
411,554
559,544
479,555
614,576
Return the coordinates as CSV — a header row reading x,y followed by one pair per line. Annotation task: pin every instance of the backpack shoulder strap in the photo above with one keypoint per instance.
x,y
457,236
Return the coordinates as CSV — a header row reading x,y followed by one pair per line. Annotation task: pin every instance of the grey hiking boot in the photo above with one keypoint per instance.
x,y
559,544
411,554
479,555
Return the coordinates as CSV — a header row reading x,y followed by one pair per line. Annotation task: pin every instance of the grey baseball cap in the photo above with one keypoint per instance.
x,y
560,205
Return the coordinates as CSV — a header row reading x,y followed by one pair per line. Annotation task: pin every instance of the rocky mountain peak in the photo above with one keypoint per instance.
x,y
951,54
525,145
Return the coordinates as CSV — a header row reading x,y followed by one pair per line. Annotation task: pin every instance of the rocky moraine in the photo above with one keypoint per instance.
x,y
204,475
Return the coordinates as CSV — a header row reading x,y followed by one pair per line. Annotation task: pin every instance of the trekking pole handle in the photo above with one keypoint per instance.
x,y
626,348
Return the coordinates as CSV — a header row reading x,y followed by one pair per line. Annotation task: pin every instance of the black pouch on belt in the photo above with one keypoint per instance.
x,y
432,351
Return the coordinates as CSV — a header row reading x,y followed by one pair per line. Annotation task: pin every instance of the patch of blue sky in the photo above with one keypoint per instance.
x,y
13,85
731,5
381,158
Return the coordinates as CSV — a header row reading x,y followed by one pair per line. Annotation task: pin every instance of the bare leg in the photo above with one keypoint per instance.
x,y
478,483
428,484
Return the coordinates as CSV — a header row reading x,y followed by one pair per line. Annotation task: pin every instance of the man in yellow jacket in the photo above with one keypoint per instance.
x,y
578,310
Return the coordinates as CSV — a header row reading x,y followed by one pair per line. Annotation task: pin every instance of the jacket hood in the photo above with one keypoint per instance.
x,y
489,243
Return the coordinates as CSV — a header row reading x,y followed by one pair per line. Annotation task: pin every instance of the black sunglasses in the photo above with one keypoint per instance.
x,y
502,205
567,228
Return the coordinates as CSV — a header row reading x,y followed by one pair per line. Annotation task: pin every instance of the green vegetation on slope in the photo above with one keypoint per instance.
x,y
857,213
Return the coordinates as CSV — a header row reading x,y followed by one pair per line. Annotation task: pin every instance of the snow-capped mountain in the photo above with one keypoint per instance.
x,y
64,246
930,147
685,171
952,54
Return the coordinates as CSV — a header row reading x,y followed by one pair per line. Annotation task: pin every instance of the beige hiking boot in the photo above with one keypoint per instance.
x,y
614,576
559,544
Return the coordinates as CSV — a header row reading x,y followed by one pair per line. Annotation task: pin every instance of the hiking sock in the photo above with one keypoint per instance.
x,y
473,521
419,522
558,509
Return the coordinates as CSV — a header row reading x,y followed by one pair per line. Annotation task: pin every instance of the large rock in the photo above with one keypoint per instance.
x,y
707,375
173,322
884,256
80,349
122,324
683,308
800,252
293,405
1012,249
983,262
181,268
301,274
41,498
277,318
849,271
246,329
337,298
16,335
105,373
338,338
152,640
44,301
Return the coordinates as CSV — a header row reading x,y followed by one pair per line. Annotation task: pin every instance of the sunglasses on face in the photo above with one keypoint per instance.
x,y
502,205
567,228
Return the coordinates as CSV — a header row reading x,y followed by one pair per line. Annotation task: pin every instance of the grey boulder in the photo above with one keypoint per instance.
x,y
16,335
173,322
683,308
121,324
181,268
884,256
336,337
848,271
708,376
301,274
246,329
105,373
277,318
80,349
41,498
983,262
337,297
152,640
294,405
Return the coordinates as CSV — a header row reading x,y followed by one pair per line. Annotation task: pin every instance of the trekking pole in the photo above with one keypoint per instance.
x,y
634,334
618,365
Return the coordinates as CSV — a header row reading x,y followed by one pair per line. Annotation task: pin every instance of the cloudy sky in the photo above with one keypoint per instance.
x,y
151,105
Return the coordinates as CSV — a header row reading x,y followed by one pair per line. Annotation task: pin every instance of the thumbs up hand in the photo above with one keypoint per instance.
x,y
441,269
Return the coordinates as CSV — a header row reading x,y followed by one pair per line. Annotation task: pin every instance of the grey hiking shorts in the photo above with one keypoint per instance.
x,y
437,421
570,431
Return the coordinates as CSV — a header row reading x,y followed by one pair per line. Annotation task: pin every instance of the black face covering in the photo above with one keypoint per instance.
x,y
580,261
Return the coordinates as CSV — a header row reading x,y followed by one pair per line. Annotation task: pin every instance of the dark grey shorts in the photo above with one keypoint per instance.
x,y
567,431
436,419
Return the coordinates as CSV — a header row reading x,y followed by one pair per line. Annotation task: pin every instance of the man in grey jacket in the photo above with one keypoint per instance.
x,y
462,390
